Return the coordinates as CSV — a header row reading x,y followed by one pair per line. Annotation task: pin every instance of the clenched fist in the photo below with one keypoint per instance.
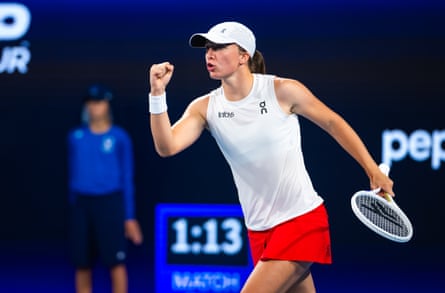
x,y
160,75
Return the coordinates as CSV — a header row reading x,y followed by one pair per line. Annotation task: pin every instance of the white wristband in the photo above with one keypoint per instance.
x,y
157,104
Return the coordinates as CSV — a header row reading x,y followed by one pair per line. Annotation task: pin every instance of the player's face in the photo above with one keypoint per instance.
x,y
98,109
222,59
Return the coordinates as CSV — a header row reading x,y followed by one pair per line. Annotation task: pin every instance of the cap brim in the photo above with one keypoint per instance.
x,y
199,40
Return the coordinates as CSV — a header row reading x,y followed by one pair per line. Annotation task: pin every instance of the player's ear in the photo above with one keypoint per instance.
x,y
244,58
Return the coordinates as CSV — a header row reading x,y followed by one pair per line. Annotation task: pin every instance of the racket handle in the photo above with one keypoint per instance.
x,y
384,168
388,197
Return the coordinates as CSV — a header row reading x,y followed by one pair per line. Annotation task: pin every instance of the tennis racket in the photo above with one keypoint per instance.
x,y
381,214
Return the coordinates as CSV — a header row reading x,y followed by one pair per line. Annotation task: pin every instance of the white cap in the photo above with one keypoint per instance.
x,y
226,33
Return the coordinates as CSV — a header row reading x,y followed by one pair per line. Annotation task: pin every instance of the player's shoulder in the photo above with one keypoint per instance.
x,y
200,103
285,81
202,99
284,85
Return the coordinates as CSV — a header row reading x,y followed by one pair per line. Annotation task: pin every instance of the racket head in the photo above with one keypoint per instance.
x,y
382,216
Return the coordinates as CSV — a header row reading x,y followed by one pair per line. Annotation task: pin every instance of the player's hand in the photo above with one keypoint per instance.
x,y
133,231
159,76
379,180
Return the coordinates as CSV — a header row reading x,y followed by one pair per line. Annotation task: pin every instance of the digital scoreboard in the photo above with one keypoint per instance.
x,y
200,248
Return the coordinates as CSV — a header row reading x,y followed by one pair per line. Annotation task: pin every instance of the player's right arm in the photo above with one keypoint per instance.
x,y
170,140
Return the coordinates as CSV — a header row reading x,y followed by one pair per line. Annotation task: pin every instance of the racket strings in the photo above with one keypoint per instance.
x,y
382,216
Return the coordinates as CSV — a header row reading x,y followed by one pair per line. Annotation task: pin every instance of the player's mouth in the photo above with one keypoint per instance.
x,y
210,67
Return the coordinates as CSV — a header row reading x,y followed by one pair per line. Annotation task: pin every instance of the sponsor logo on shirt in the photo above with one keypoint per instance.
x,y
226,114
263,109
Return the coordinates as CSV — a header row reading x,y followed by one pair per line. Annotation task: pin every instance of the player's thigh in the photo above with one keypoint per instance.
x,y
304,285
275,276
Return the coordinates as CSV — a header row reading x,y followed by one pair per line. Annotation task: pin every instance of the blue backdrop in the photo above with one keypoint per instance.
x,y
380,64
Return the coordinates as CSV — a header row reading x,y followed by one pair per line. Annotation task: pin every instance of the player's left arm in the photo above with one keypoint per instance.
x,y
295,98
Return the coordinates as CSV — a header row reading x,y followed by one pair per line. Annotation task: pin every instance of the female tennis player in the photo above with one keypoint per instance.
x,y
254,120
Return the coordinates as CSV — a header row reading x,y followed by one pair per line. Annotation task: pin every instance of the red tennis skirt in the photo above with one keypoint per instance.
x,y
303,238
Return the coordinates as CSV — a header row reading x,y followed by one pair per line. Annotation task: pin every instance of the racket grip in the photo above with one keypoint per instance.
x,y
384,168
388,197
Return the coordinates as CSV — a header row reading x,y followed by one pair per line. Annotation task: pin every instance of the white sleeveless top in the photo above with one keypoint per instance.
x,y
263,148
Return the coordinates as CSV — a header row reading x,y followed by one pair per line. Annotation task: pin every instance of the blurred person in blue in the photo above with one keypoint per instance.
x,y
101,193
